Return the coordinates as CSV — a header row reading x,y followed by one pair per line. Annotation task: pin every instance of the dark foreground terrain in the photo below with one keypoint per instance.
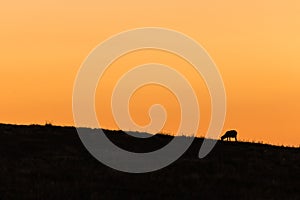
x,y
49,162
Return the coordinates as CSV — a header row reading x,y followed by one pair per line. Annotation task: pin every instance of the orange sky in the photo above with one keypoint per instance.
x,y
255,44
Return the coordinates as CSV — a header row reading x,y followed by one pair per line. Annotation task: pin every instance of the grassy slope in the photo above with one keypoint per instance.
x,y
38,162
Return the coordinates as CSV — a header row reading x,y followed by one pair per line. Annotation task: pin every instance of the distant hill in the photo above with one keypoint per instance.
x,y
50,162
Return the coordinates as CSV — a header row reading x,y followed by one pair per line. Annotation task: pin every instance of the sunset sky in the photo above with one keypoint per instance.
x,y
255,44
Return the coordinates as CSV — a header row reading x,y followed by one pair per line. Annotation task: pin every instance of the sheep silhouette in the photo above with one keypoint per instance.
x,y
230,134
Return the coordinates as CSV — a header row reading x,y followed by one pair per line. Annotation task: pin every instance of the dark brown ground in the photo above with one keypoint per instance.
x,y
49,162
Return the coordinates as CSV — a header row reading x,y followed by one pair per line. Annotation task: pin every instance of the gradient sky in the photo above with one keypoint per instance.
x,y
255,44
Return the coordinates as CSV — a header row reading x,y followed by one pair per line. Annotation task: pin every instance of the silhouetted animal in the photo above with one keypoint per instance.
x,y
230,134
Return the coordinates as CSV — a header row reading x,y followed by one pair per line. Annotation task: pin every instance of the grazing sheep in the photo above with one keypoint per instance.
x,y
229,134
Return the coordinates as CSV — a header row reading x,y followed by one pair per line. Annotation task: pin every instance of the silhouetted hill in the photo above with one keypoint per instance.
x,y
50,162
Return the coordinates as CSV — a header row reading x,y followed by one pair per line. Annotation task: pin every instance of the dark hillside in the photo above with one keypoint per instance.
x,y
50,162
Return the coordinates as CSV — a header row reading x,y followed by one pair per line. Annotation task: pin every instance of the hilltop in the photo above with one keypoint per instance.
x,y
50,162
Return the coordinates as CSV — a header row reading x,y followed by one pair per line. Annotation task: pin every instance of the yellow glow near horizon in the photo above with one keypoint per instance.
x,y
255,44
